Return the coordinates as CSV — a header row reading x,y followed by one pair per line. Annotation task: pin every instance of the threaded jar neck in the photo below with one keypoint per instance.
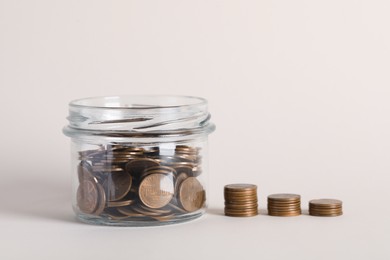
x,y
139,116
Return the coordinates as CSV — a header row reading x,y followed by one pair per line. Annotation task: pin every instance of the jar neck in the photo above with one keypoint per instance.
x,y
139,117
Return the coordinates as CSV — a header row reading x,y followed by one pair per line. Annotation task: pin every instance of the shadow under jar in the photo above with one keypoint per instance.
x,y
139,160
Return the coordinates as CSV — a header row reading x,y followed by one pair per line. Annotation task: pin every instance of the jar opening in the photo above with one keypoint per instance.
x,y
138,102
139,116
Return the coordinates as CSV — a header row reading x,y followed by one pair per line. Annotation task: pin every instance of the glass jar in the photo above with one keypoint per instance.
x,y
139,160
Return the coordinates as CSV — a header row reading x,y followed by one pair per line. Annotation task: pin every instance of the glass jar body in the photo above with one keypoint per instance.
x,y
139,184
122,177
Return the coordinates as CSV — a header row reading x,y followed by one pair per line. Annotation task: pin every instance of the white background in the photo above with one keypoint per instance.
x,y
299,91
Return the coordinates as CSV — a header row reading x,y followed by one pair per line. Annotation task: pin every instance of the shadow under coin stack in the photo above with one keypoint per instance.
x,y
284,205
241,200
325,208
122,182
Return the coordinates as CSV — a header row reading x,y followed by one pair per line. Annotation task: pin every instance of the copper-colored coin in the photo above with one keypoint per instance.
x,y
87,197
324,212
156,190
128,211
183,169
176,209
160,211
117,185
284,214
240,208
326,203
240,187
102,200
145,211
163,218
179,179
243,201
270,205
325,208
121,203
326,215
254,202
284,210
284,197
191,194
245,214
84,172
241,197
107,169
137,166
159,169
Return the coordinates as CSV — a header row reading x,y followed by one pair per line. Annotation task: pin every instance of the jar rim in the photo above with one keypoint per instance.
x,y
128,102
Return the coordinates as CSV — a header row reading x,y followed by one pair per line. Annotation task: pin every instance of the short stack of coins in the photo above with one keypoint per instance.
x,y
284,205
241,200
121,182
325,207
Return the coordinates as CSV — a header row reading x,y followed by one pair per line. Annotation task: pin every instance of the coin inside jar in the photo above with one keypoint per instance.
x,y
87,197
137,166
84,171
156,190
117,185
191,194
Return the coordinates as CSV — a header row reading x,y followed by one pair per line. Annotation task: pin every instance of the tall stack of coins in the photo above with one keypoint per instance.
x,y
284,205
123,182
241,200
325,208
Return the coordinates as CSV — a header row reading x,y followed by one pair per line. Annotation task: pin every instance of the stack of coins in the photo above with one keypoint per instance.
x,y
241,200
325,207
123,182
284,205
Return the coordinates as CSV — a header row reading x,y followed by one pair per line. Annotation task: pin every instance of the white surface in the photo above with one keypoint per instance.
x,y
299,91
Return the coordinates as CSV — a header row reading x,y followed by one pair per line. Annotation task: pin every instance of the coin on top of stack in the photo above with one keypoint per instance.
x,y
325,207
241,200
284,205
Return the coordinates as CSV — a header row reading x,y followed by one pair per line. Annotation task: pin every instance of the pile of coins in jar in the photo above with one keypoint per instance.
x,y
241,201
122,182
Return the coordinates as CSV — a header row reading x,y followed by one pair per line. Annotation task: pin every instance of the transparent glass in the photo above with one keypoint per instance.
x,y
139,160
